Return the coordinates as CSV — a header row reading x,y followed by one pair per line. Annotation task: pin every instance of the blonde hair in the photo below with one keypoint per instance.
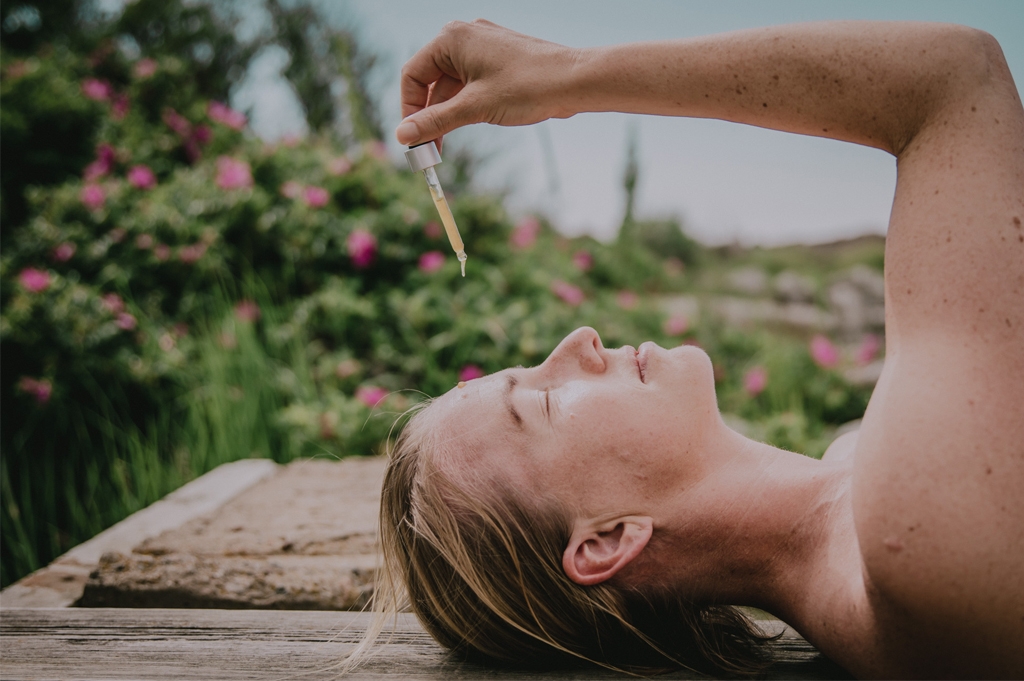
x,y
480,565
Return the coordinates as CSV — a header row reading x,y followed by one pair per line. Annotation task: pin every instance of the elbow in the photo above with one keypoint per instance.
x,y
961,64
975,60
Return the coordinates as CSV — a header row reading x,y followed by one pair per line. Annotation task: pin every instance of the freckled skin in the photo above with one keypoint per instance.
x,y
908,559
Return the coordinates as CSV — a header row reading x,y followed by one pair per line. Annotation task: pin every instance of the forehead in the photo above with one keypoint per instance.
x,y
479,405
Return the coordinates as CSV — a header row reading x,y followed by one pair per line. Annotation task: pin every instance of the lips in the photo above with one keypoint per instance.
x,y
641,361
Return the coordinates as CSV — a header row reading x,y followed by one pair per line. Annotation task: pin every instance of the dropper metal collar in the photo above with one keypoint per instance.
x,y
422,156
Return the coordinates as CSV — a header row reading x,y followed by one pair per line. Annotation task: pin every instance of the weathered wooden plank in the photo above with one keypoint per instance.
x,y
244,644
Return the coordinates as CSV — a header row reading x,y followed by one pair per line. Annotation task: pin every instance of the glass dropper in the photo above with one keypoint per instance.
x,y
423,157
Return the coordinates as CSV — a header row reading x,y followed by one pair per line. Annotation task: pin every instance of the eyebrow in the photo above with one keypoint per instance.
x,y
510,383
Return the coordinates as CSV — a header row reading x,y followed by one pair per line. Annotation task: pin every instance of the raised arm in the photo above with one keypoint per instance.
x,y
937,96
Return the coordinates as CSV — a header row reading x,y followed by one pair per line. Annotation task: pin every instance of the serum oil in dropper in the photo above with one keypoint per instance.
x,y
423,157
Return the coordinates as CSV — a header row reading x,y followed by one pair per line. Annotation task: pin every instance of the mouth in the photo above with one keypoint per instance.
x,y
641,360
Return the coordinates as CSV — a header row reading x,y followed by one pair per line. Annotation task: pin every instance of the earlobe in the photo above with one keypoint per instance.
x,y
596,553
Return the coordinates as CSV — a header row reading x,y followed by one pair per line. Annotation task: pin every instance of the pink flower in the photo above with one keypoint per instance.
x,y
64,252
180,329
525,233
339,165
39,388
95,171
92,196
868,349
166,342
583,260
191,254
97,90
377,149
247,311
567,292
116,235
362,247
162,252
469,372
224,114
141,177
432,230
202,134
316,197
120,107
33,280
627,300
676,325
144,241
112,303
346,368
370,395
144,68
823,352
126,321
176,122
755,380
233,173
431,261
102,165
291,189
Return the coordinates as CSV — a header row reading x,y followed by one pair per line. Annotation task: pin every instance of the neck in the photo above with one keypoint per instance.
x,y
765,528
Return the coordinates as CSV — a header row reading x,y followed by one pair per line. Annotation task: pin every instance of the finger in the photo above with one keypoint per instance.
x,y
424,68
417,76
434,121
444,89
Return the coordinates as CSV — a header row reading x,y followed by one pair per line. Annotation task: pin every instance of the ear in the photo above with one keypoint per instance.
x,y
596,552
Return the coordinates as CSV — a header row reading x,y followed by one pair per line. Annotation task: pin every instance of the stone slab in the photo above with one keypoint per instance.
x,y
61,583
304,539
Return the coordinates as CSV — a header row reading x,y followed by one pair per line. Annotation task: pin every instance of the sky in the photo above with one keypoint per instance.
x,y
727,182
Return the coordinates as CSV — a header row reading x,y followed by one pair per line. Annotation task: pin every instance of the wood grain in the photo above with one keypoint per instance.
x,y
185,645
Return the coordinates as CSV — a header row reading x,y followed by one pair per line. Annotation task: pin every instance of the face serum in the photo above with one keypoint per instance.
x,y
424,157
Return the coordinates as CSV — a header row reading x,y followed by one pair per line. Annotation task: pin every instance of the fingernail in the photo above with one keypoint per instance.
x,y
407,133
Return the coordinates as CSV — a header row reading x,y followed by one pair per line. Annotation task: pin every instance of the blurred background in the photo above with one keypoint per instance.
x,y
211,249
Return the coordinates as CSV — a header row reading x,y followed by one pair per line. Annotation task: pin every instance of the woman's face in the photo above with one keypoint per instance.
x,y
598,428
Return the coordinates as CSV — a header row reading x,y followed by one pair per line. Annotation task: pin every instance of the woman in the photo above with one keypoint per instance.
x,y
597,507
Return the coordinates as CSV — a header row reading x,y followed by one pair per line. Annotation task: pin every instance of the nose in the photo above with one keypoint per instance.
x,y
581,350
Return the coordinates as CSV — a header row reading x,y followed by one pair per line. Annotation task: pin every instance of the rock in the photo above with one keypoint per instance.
x,y
870,282
745,312
792,287
303,539
749,280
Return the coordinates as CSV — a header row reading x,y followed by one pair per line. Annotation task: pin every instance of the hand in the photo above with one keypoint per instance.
x,y
480,72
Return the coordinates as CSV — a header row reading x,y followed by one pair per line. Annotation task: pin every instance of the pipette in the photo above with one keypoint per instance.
x,y
423,157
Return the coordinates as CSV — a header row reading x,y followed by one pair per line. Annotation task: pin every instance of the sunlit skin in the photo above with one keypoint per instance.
x,y
902,552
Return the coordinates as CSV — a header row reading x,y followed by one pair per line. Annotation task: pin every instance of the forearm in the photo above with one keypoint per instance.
x,y
870,83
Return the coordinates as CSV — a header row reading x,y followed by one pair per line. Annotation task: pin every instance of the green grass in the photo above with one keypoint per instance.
x,y
57,499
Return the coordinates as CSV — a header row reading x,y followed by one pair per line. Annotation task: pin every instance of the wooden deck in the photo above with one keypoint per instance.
x,y
200,645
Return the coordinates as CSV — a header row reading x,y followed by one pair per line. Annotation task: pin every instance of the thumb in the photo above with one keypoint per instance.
x,y
434,121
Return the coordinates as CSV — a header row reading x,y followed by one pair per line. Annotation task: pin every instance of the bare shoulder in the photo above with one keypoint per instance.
x,y
843,447
939,467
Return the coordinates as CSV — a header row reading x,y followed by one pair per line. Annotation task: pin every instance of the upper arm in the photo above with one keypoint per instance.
x,y
955,246
939,469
